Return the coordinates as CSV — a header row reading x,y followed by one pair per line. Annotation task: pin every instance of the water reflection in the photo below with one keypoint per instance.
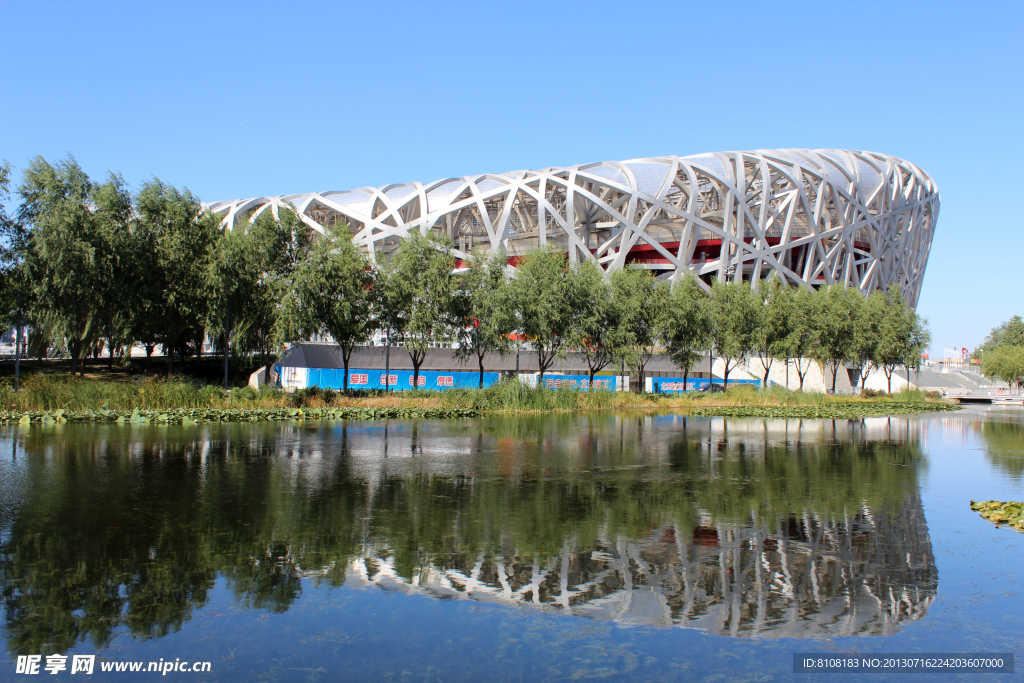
x,y
739,527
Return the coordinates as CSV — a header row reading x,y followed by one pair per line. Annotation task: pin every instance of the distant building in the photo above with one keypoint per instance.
x,y
813,216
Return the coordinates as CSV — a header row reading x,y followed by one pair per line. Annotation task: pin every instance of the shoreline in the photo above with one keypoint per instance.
x,y
850,410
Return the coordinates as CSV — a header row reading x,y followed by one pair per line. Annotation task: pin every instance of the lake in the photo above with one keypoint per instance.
x,y
602,546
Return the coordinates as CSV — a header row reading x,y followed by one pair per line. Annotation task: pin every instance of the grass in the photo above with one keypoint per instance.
x,y
49,392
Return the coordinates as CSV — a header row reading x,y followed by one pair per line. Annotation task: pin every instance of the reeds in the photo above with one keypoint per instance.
x,y
52,392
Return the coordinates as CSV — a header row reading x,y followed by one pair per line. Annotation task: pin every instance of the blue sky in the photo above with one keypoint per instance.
x,y
246,99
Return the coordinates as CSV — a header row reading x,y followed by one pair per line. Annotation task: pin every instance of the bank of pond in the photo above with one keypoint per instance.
x,y
192,416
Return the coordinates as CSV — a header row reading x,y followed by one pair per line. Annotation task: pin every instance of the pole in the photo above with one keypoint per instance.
x,y
17,346
787,373
227,342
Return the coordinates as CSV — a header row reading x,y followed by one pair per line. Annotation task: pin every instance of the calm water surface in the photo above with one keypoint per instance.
x,y
552,548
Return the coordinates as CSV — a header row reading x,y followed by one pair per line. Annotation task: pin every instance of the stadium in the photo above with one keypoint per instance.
x,y
814,217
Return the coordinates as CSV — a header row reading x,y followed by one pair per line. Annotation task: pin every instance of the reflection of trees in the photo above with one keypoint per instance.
x,y
746,530
1005,444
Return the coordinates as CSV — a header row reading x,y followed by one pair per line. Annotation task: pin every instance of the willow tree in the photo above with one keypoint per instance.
x,y
182,237
641,302
903,336
596,331
68,257
774,306
483,311
253,271
733,316
800,342
544,301
332,294
835,320
418,300
686,325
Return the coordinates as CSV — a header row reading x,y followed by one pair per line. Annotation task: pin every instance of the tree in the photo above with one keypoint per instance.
x,y
800,342
418,301
113,209
1009,333
67,260
641,302
333,294
901,334
596,330
12,249
486,320
686,325
254,273
733,318
543,300
1005,362
835,315
182,237
774,306
866,334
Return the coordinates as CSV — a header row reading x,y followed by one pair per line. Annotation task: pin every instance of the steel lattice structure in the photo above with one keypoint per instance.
x,y
812,216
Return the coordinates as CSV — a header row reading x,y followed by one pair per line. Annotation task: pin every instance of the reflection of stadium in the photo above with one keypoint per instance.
x,y
864,575
813,216
810,573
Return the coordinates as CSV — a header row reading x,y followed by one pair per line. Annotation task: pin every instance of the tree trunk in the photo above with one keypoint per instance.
x,y
686,378
726,378
480,360
835,370
417,357
74,347
169,349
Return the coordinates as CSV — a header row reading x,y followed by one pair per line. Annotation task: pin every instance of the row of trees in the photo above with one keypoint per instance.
x,y
91,263
87,264
422,299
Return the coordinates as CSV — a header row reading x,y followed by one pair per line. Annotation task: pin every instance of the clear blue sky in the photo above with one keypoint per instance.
x,y
245,99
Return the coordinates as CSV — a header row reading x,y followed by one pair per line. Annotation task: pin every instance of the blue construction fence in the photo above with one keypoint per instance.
x,y
676,385
334,378
331,378
601,382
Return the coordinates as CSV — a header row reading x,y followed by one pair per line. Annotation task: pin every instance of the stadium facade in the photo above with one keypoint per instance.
x,y
814,217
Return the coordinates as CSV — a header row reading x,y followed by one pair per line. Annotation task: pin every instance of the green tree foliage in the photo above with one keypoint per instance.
x,y
597,329
113,211
182,237
866,334
11,250
835,321
903,335
253,271
734,315
641,302
1005,362
69,256
1009,333
483,308
333,294
774,306
799,343
544,299
686,325
418,301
